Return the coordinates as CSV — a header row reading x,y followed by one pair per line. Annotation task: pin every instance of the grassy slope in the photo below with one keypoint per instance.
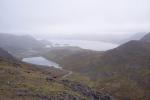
x,y
131,86
27,82
77,60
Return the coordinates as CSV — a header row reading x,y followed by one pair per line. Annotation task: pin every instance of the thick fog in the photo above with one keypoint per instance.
x,y
74,17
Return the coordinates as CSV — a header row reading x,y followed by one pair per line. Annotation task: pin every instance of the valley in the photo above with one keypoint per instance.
x,y
25,81
74,49
73,73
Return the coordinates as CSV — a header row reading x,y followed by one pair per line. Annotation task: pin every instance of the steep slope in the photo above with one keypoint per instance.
x,y
133,54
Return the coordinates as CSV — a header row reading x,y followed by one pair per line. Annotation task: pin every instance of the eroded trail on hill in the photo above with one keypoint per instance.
x,y
69,73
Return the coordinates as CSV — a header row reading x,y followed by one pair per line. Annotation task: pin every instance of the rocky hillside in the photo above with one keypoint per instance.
x,y
22,81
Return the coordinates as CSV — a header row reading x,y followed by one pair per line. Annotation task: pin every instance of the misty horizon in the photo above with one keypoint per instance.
x,y
74,17
74,49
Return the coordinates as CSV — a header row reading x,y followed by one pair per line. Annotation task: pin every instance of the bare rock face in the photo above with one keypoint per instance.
x,y
39,96
86,91
87,95
61,96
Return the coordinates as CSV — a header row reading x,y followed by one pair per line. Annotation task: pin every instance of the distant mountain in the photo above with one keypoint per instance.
x,y
19,45
5,55
23,42
136,36
146,38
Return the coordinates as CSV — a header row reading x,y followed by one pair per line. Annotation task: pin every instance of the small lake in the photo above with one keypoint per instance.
x,y
40,61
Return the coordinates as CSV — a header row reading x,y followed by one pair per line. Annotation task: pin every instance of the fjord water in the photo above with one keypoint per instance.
x,y
40,61
84,44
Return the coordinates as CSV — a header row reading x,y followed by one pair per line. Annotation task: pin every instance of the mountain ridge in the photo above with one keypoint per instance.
x,y
127,65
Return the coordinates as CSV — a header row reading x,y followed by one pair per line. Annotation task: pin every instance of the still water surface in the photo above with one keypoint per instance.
x,y
40,61
92,45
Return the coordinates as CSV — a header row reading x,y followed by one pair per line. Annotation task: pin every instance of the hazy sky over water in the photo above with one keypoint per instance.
x,y
74,16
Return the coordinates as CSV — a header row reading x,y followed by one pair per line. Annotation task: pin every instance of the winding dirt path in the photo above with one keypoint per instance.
x,y
69,73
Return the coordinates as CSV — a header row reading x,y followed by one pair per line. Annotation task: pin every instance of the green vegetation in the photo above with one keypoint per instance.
x,y
24,78
28,82
81,79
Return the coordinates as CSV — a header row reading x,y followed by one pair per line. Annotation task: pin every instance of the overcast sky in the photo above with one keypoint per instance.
x,y
74,16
